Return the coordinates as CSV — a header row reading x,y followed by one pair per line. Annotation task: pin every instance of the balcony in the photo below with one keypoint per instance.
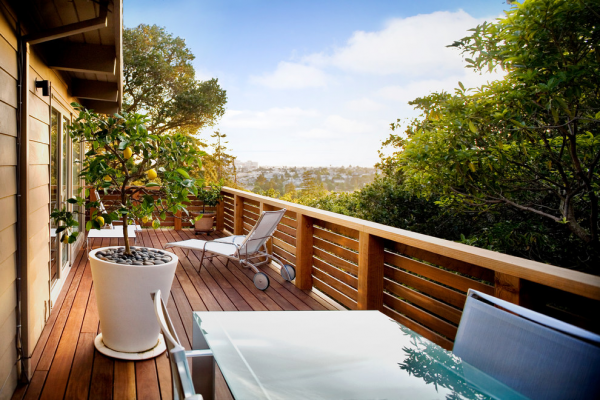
x,y
341,262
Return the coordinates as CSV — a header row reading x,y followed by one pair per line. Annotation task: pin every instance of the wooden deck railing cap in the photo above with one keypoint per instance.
x,y
560,278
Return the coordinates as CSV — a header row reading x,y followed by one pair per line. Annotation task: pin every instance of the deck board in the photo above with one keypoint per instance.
x,y
68,366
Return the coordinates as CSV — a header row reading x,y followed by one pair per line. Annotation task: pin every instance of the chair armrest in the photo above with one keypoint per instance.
x,y
198,353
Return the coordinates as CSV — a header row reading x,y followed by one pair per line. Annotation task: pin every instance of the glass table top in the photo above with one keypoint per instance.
x,y
336,355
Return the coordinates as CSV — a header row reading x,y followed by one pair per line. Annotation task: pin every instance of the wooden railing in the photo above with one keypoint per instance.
x,y
418,280
172,220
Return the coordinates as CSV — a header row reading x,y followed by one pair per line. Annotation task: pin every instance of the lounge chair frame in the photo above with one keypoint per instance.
x,y
248,254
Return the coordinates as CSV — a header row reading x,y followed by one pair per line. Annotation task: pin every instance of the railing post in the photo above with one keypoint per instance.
x,y
304,252
507,287
370,272
267,207
177,221
221,216
238,215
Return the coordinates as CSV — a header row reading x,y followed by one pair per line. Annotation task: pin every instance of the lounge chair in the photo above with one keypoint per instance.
x,y
538,356
250,250
183,385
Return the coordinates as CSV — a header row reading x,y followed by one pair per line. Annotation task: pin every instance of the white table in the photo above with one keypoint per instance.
x,y
116,232
329,355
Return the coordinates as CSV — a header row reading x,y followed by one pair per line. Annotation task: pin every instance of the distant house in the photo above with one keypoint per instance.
x,y
52,53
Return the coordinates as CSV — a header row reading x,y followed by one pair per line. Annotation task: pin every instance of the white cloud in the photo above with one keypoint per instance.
x,y
273,118
419,88
364,104
317,133
292,76
414,46
345,125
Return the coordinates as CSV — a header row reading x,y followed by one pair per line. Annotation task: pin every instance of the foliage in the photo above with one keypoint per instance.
x,y
210,196
530,141
159,79
504,229
120,150
219,165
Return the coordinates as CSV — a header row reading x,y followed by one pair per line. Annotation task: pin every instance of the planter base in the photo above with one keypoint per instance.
x,y
151,353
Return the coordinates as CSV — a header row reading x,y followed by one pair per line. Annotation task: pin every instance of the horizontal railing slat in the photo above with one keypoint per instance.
x,y
337,250
418,328
437,307
336,272
334,294
335,238
336,284
447,278
431,288
336,261
432,322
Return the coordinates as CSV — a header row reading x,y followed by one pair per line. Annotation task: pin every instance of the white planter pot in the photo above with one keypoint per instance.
x,y
123,294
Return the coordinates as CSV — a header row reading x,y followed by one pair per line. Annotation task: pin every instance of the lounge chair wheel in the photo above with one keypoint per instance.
x,y
261,281
288,272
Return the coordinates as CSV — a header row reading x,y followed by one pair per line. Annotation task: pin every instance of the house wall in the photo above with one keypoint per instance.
x,y
8,208
38,275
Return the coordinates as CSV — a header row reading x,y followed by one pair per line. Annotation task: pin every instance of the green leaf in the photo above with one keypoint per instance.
x,y
472,127
183,173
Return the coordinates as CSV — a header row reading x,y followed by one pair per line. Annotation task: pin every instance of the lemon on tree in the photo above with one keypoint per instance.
x,y
127,153
151,173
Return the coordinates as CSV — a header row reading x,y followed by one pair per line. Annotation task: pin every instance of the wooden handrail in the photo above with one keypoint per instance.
x,y
560,278
418,280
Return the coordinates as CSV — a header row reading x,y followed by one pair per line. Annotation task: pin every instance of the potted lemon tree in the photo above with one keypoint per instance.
x,y
120,152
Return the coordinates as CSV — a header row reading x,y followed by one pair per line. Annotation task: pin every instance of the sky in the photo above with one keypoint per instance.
x,y
318,82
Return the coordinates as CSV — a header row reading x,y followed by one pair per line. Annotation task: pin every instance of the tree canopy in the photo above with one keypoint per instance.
x,y
160,81
530,141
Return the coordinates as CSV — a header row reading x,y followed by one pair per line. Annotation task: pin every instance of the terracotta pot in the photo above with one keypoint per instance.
x,y
123,294
205,224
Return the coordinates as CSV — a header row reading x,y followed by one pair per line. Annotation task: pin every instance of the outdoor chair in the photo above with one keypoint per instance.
x,y
183,386
536,355
250,250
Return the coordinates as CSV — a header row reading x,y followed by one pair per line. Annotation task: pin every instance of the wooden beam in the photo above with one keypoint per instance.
x,y
370,272
71,29
102,107
507,287
238,215
304,252
78,57
95,90
177,221
221,216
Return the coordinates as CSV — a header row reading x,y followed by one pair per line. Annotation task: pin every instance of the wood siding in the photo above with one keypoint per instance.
x,y
38,207
8,208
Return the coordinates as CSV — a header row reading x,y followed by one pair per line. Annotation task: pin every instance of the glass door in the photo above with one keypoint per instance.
x,y
64,182
54,194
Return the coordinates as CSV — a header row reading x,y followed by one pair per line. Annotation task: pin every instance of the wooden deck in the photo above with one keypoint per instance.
x,y
66,364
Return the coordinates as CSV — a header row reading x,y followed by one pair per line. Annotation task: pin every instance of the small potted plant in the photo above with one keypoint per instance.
x,y
210,196
120,152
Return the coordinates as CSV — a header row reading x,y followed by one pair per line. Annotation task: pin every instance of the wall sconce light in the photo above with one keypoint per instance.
x,y
45,85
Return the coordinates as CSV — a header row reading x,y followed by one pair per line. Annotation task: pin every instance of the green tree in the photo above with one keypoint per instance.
x,y
530,141
159,80
122,151
219,167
